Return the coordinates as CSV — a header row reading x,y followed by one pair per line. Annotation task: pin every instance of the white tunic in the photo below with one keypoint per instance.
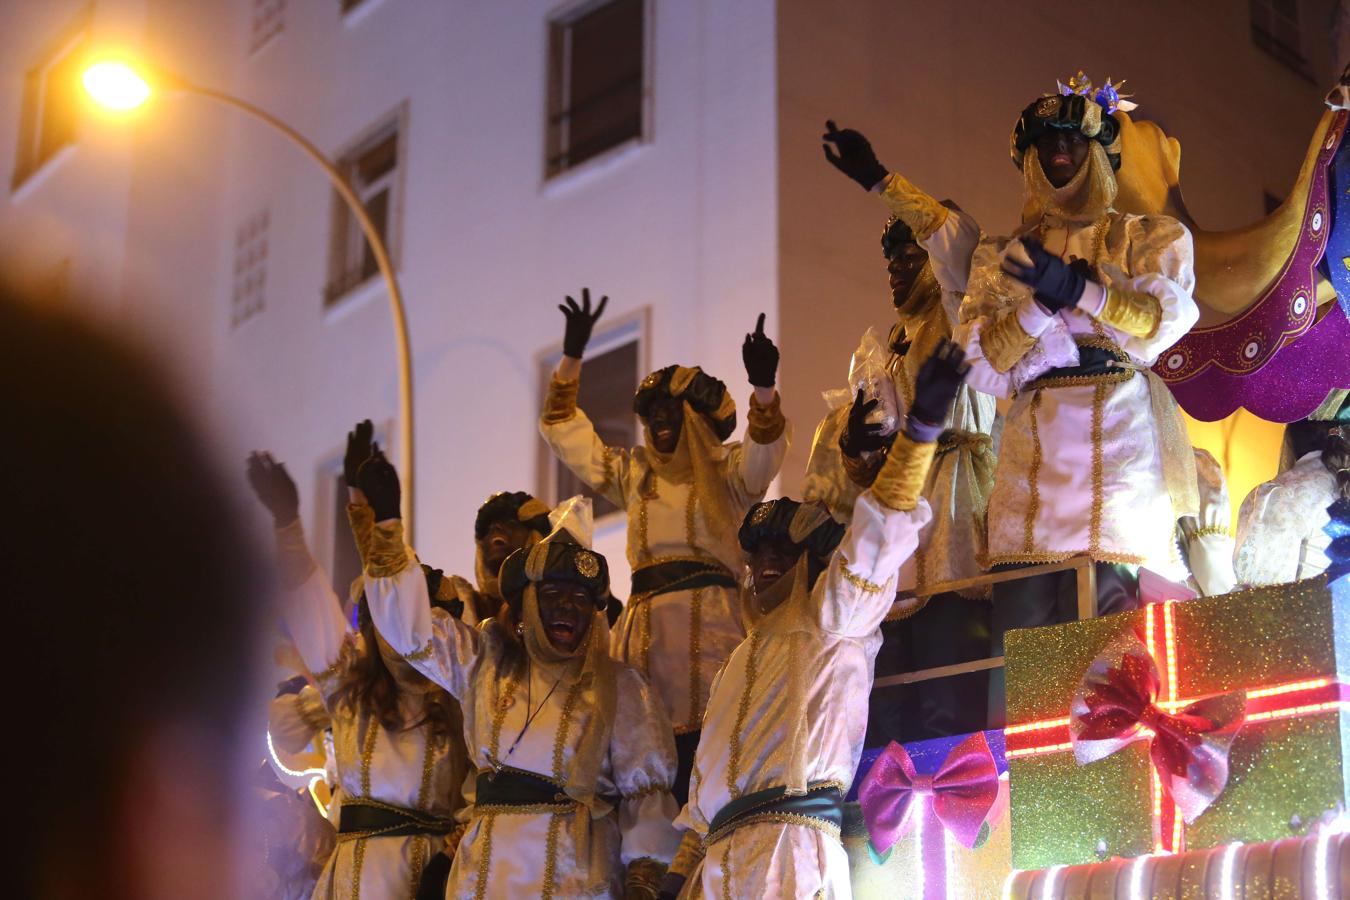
x,y
408,768
831,638
1280,536
536,726
677,639
1080,466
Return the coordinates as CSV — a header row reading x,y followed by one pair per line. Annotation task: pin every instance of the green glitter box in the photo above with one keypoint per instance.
x,y
1287,647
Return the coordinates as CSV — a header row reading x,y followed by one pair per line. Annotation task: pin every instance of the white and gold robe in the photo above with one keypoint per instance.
x,y
410,768
828,639
536,725
1280,535
677,639
1210,550
1080,465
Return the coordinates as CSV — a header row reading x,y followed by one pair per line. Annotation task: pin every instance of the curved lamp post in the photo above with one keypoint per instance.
x,y
121,87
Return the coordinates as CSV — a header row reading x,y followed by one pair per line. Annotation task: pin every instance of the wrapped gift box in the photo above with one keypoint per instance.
x,y
928,863
1286,648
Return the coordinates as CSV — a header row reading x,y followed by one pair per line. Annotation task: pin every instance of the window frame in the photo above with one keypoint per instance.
x,y
1261,14
630,327
29,158
346,240
566,15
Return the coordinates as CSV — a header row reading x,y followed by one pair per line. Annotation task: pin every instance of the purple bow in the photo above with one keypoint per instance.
x,y
963,791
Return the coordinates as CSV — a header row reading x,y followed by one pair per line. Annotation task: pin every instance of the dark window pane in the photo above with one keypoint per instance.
x,y
378,160
377,207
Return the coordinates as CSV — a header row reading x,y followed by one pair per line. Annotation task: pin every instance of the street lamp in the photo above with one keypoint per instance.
x,y
122,87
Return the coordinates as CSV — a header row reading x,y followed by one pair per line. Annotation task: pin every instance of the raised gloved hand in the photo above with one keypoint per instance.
x,y
1057,285
935,387
760,357
274,488
580,323
358,450
378,480
854,156
862,436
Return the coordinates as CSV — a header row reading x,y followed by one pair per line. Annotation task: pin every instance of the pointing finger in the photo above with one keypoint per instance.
x,y
759,326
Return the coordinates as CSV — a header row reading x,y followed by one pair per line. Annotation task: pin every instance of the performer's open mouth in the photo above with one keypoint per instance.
x,y
562,629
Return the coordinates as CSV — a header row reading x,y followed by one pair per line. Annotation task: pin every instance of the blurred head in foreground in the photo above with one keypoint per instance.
x,y
129,612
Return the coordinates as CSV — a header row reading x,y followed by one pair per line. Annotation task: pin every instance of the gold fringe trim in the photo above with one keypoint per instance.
x,y
923,214
484,858
858,581
564,726
1053,556
419,655
742,710
726,873
550,857
504,701
560,403
695,648
368,753
1098,489
389,556
1134,312
1033,478
1211,529
778,817
358,863
1004,341
909,611
765,422
293,557
526,809
900,482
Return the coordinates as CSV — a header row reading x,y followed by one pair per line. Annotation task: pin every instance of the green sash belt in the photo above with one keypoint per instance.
x,y
518,788
358,819
680,575
822,806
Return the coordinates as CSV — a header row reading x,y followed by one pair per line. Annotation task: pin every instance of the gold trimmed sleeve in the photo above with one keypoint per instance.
x,y
1133,312
900,482
560,404
688,856
293,556
361,518
918,210
388,554
765,422
862,470
644,879
1004,341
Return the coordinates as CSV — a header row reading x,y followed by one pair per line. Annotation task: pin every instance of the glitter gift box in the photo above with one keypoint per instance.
x,y
1287,648
928,863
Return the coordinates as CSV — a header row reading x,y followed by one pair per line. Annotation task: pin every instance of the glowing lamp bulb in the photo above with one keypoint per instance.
x,y
116,86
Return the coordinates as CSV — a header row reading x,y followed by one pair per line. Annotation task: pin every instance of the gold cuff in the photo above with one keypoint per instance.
x,y
644,879
688,856
361,518
900,482
1210,529
765,422
920,212
293,557
862,470
388,554
1004,341
1133,312
560,404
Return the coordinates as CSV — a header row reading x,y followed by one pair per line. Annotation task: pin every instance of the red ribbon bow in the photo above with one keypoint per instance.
x,y
1117,704
963,789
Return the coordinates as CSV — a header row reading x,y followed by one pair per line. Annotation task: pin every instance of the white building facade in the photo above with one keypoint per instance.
x,y
517,150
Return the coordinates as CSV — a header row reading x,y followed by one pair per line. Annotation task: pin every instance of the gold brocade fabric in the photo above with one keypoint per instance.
x,y
765,422
697,458
293,557
388,554
900,482
1086,198
643,881
1133,312
560,404
1006,341
918,210
361,518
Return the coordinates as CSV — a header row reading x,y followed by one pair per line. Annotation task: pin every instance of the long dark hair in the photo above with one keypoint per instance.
x,y
367,687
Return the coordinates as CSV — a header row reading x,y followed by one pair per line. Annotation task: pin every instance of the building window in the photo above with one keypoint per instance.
x,y
51,104
596,81
250,267
269,20
1275,30
609,381
372,167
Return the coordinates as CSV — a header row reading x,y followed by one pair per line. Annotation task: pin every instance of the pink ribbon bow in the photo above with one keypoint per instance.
x,y
963,791
1117,704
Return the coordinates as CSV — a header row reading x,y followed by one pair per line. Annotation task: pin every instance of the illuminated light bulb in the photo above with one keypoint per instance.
x,y
115,85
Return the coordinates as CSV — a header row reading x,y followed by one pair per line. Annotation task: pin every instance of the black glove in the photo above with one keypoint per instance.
x,y
274,488
760,357
378,480
580,323
358,450
862,436
1056,284
855,157
935,387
